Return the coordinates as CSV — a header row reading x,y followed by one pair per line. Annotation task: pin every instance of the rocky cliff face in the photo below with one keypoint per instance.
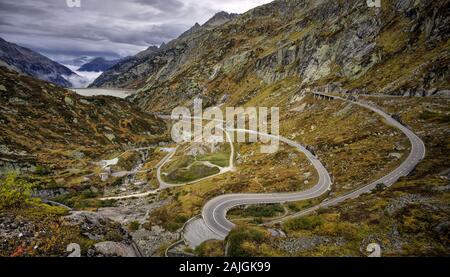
x,y
28,62
220,19
127,73
400,48
160,62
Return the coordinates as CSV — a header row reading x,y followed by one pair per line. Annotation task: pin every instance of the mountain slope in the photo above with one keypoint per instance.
x,y
401,48
33,64
98,65
220,19
126,72
133,72
44,124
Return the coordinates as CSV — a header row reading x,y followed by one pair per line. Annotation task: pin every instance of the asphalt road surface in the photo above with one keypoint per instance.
x,y
214,212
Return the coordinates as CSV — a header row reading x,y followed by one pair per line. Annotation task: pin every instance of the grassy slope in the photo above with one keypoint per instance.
x,y
409,219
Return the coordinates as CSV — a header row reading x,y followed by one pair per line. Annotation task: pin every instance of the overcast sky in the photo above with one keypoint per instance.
x,y
108,28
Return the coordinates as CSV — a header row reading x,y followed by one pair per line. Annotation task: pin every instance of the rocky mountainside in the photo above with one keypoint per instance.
x,y
220,19
98,65
126,72
400,48
42,124
86,152
28,62
132,72
54,139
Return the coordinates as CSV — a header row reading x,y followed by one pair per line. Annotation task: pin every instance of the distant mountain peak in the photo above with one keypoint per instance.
x,y
153,48
31,63
193,29
220,18
98,64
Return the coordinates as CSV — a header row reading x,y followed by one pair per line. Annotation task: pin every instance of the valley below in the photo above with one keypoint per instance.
x,y
149,191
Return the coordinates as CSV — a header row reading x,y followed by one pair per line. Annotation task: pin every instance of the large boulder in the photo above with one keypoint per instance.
x,y
114,249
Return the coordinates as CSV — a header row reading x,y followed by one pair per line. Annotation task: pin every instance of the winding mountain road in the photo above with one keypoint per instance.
x,y
214,212
416,155
214,224
163,184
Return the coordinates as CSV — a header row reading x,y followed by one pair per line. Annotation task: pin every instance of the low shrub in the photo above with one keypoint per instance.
x,y
14,192
302,223
134,225
246,242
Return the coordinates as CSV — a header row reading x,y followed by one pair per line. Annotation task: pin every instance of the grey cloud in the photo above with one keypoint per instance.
x,y
106,27
163,5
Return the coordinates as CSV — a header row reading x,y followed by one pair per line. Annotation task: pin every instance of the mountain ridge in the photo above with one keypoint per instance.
x,y
348,47
31,63
38,117
132,72
98,64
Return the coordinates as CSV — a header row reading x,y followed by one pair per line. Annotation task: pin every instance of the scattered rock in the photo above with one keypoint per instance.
x,y
78,154
443,93
96,227
114,249
86,102
395,155
300,108
399,147
150,241
297,98
17,101
111,137
445,174
49,193
68,100
399,203
443,229
276,233
296,245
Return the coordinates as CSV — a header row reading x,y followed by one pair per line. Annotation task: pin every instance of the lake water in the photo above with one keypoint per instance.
x,y
100,91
